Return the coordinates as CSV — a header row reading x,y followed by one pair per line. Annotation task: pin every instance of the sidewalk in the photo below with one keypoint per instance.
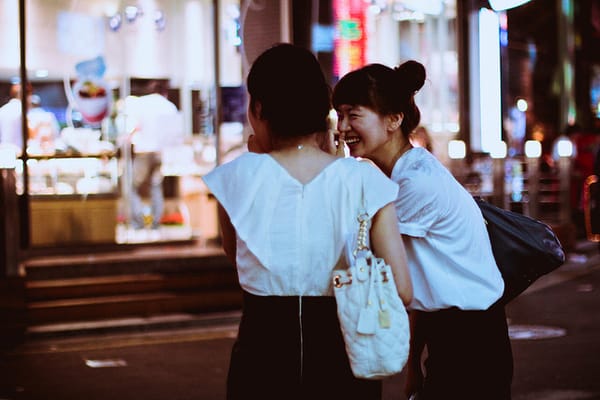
x,y
577,263
584,258
190,362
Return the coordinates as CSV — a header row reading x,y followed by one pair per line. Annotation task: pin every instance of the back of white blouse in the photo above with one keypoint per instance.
x,y
290,235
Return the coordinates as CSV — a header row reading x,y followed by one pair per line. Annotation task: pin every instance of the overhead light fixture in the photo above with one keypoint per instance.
x,y
501,5
132,12
160,20
114,22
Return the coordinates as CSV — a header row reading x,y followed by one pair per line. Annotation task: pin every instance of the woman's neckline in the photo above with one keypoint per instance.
x,y
301,182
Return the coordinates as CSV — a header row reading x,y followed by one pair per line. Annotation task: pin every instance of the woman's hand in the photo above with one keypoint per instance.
x,y
340,150
329,144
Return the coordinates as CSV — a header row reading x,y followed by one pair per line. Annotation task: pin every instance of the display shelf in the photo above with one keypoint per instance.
x,y
73,154
73,197
74,175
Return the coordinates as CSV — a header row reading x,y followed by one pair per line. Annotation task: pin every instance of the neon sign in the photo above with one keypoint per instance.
x,y
350,36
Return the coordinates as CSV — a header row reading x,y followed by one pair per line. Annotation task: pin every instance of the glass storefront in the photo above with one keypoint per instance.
x,y
95,66
107,161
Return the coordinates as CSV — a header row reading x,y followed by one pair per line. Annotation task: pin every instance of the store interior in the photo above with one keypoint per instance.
x,y
87,65
88,62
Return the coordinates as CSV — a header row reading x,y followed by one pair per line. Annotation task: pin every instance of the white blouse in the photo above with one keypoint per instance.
x,y
449,253
290,235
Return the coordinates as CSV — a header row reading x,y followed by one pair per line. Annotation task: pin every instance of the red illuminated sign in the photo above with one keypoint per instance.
x,y
350,39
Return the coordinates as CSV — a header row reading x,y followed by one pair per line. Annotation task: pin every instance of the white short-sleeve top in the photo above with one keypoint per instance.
x,y
290,235
450,258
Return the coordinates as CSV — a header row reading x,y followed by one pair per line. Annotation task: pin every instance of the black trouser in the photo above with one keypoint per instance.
x,y
292,348
469,355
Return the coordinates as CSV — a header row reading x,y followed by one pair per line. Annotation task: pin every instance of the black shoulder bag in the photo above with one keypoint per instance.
x,y
524,248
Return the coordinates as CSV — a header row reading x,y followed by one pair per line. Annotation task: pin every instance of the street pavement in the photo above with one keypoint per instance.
x,y
555,331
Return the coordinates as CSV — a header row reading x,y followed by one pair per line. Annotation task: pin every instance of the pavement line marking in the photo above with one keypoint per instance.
x,y
95,343
105,363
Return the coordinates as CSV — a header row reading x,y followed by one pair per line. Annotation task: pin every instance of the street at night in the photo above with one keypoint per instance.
x,y
554,327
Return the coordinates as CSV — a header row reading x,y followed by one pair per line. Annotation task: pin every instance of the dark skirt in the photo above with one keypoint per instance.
x,y
469,354
292,348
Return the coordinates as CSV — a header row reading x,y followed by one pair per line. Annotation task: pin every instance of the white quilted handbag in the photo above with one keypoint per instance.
x,y
372,316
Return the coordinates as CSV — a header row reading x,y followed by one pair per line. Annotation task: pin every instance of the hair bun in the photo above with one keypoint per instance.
x,y
412,75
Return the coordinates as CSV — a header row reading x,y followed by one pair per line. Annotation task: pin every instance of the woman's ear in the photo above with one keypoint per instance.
x,y
257,109
393,121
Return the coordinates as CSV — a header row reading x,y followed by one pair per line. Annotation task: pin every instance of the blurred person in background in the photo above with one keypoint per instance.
x,y
11,132
43,126
584,145
154,123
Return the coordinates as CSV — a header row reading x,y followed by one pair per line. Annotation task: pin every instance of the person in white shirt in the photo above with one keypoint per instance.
x,y
285,212
44,128
155,123
11,120
454,311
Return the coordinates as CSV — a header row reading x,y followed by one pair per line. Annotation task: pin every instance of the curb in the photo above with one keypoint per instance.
x,y
132,325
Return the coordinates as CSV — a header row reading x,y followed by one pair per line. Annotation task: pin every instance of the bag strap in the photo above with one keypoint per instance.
x,y
362,242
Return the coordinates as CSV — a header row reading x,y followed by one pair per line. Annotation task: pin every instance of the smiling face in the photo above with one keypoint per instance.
x,y
364,131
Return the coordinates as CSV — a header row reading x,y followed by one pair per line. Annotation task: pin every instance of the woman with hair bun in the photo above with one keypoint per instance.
x,y
456,283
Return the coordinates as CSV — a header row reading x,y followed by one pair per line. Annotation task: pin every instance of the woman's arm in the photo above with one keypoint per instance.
x,y
386,242
227,234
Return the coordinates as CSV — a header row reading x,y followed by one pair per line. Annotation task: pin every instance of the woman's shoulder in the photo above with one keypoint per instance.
x,y
371,176
418,173
363,165
249,158
244,161
349,170
417,164
242,168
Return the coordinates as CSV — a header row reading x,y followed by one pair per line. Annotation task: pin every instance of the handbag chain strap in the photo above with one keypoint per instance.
x,y
361,240
363,227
